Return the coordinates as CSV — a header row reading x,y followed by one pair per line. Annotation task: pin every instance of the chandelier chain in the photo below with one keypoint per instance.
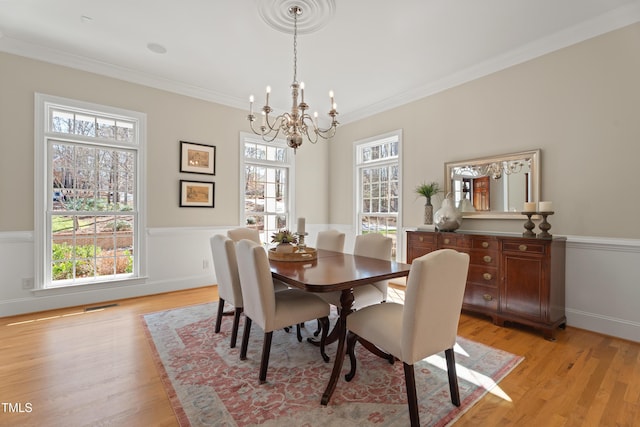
x,y
295,46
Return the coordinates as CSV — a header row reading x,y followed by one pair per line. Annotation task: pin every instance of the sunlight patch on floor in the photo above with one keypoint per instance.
x,y
481,380
470,375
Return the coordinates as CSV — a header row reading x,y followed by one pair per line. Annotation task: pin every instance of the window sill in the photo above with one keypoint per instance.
x,y
86,287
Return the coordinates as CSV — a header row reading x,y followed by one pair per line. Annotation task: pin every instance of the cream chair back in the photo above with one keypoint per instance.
x,y
330,240
373,245
240,233
226,268
432,305
256,283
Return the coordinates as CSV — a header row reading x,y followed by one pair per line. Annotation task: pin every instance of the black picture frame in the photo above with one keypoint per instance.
x,y
197,158
197,194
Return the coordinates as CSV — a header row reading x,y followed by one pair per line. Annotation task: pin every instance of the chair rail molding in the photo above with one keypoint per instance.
x,y
602,293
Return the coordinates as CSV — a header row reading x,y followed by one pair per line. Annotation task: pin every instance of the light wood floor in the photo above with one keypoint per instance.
x,y
77,368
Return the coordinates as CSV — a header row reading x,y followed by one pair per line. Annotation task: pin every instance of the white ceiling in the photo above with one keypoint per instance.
x,y
375,54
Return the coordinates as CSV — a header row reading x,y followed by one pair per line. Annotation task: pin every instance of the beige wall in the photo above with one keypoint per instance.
x,y
170,118
580,105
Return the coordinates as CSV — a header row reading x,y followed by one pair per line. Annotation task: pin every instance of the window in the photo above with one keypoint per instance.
x,y
267,189
89,209
378,186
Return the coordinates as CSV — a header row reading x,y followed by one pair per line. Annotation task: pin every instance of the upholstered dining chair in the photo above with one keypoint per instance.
x,y
426,324
241,233
330,240
229,290
372,245
273,310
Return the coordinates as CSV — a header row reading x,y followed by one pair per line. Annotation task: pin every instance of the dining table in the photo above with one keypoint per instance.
x,y
336,271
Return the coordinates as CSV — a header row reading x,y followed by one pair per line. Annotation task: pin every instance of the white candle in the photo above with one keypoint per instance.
x,y
546,207
529,206
301,226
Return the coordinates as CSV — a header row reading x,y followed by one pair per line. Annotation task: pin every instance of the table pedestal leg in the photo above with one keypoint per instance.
x,y
346,301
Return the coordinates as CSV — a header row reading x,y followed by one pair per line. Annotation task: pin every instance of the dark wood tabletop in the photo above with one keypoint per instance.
x,y
337,271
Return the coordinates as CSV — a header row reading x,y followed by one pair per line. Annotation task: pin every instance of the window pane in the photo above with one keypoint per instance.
x,y
266,201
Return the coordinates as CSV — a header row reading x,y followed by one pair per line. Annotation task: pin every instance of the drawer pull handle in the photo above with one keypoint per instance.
x,y
487,297
487,276
485,244
487,258
446,241
522,247
421,239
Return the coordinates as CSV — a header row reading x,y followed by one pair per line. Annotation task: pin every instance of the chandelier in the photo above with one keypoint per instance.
x,y
297,124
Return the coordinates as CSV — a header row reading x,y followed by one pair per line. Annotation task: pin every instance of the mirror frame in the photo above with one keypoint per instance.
x,y
534,155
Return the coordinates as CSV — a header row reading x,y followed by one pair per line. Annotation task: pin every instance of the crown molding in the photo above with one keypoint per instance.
x,y
611,21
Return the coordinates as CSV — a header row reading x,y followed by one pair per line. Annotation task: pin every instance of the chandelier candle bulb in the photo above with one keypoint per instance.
x,y
302,92
529,206
546,207
301,227
251,104
268,92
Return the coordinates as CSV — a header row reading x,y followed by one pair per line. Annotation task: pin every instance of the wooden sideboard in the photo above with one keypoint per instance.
x,y
511,278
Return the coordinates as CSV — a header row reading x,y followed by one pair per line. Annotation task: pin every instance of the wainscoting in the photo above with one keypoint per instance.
x,y
602,276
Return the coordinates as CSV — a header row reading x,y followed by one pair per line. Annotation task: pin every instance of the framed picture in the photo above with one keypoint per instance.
x,y
197,194
197,158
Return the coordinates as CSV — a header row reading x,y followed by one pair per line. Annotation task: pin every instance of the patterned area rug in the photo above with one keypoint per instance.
x,y
209,386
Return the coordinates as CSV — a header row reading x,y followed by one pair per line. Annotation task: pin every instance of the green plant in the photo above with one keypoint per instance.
x,y
284,236
428,190
62,257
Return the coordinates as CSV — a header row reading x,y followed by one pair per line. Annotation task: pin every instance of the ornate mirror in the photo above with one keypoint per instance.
x,y
496,186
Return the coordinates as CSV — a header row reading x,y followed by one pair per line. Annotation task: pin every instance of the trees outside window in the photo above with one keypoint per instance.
x,y
377,164
91,193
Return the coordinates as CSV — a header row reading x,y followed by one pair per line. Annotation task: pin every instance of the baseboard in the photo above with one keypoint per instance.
x,y
606,325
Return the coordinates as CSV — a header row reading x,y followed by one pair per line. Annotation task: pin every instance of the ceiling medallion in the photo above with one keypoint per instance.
x,y
317,14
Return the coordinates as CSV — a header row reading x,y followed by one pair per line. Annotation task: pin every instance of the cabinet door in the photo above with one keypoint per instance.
x,y
524,291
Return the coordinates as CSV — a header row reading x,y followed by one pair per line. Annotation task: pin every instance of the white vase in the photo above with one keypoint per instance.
x,y
447,218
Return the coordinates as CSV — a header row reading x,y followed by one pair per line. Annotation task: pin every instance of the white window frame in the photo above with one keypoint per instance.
x,y
289,163
357,187
42,237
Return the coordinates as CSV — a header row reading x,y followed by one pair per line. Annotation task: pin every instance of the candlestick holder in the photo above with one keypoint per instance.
x,y
529,225
545,226
301,245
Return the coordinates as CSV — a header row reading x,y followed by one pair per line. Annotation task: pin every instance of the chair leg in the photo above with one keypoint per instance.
x,y
412,397
245,338
298,332
236,322
318,329
264,363
219,315
351,349
324,324
453,376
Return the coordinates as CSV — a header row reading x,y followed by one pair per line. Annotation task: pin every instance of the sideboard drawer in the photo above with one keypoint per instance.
x,y
453,241
481,297
487,276
523,246
484,258
484,243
